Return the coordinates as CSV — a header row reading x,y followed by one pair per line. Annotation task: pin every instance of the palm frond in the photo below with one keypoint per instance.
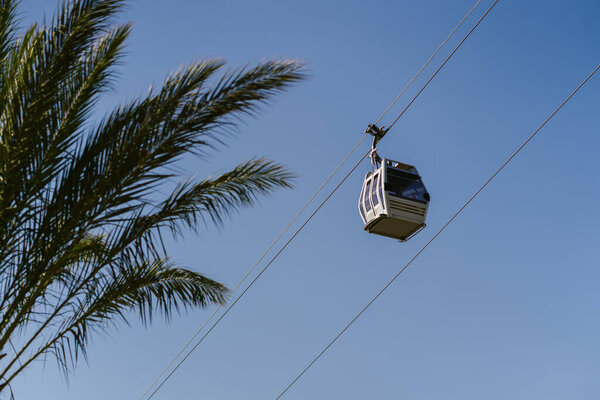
x,y
146,288
8,28
81,217
218,197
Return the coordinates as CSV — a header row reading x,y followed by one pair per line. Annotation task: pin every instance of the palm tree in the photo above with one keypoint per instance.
x,y
81,219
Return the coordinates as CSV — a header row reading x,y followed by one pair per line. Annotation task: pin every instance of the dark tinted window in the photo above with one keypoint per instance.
x,y
404,184
374,197
367,195
416,191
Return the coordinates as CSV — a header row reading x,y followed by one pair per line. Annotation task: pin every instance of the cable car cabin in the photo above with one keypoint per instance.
x,y
393,201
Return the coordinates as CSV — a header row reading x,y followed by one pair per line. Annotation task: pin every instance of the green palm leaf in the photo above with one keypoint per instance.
x,y
81,219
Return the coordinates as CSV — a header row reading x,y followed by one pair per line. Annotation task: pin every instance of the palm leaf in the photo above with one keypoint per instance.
x,y
82,218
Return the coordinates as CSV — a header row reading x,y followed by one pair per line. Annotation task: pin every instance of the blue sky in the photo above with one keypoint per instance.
x,y
504,305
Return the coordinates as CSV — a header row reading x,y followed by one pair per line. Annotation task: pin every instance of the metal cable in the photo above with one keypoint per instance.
x,y
513,155
251,269
260,273
427,62
444,63
296,217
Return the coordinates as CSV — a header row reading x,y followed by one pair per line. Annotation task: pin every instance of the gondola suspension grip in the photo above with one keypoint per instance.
x,y
378,133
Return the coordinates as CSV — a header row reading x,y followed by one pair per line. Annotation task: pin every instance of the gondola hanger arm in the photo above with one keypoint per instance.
x,y
378,133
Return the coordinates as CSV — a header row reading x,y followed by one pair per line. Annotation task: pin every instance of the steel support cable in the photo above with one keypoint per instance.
x,y
261,272
444,63
305,206
427,62
300,212
456,214
230,294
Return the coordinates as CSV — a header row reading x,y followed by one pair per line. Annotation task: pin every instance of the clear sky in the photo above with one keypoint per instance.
x,y
504,305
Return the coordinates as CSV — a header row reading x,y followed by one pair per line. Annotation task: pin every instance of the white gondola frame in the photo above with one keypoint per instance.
x,y
372,188
411,211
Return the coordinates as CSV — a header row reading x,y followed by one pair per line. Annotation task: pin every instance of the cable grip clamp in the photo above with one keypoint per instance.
x,y
378,133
